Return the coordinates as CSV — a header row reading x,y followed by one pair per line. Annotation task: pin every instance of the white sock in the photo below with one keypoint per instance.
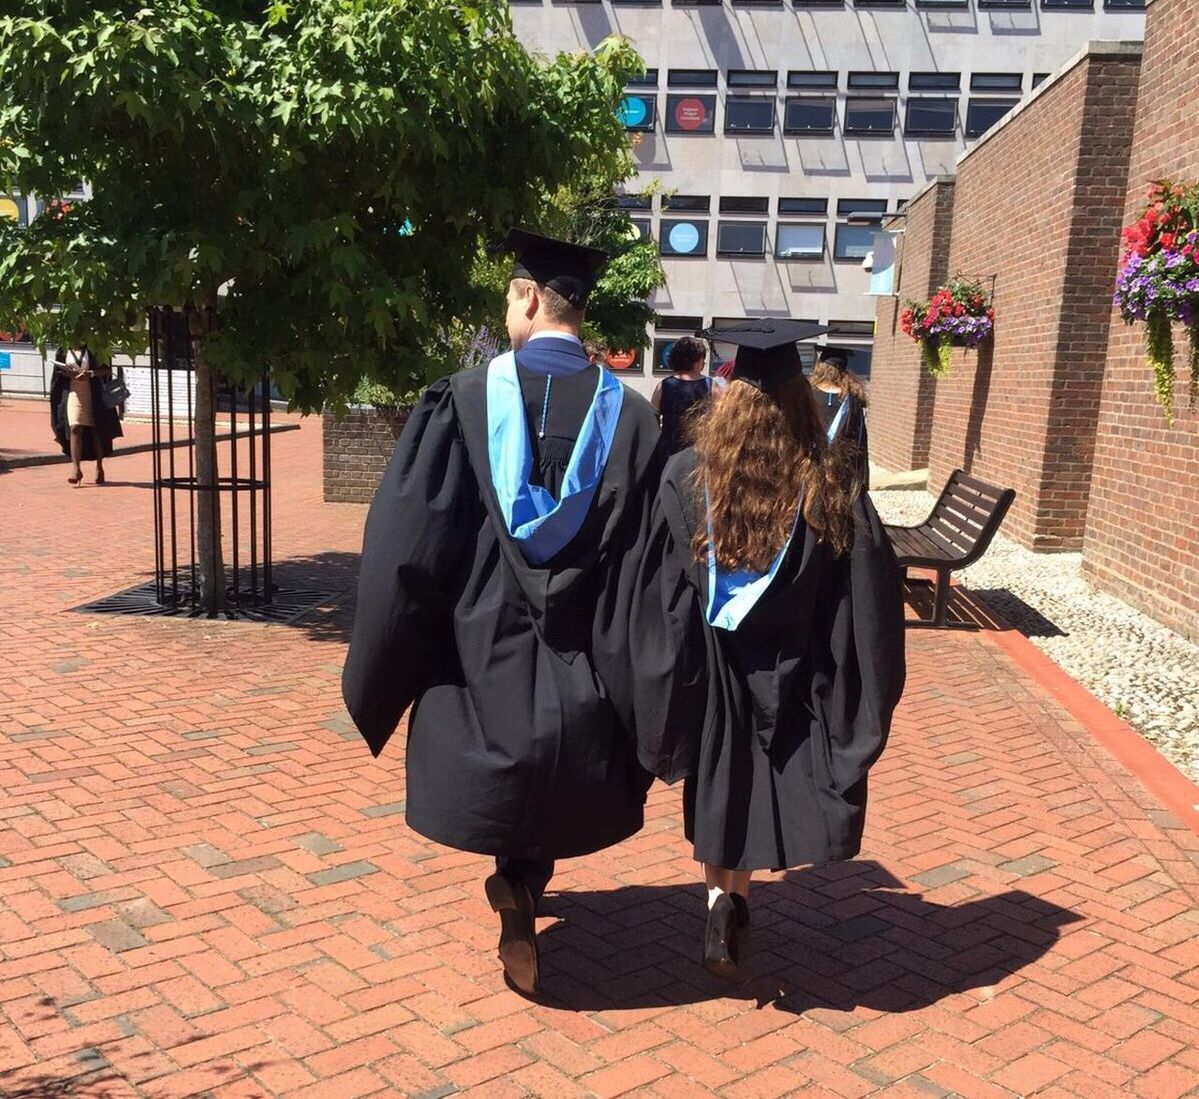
x,y
713,893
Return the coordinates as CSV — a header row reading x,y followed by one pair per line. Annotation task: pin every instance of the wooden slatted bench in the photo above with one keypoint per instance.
x,y
956,534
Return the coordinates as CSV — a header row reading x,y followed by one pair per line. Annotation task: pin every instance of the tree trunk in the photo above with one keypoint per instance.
x,y
211,559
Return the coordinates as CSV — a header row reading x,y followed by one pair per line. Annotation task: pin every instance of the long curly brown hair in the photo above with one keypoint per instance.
x,y
758,457
831,372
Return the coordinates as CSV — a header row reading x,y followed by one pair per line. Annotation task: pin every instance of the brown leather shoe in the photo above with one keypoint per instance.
x,y
518,931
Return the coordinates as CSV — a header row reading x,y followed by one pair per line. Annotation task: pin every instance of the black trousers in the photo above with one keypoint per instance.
x,y
534,873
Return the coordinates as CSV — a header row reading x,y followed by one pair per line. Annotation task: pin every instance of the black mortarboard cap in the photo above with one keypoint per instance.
x,y
570,269
838,353
766,352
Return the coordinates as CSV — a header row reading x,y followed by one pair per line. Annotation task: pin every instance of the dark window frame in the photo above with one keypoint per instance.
x,y
827,102
734,101
810,257
934,82
687,204
972,130
685,324
817,209
813,79
872,80
633,202
1067,5
692,78
744,78
846,228
869,131
1014,82
672,99
848,206
648,80
667,225
756,205
742,226
920,102
651,118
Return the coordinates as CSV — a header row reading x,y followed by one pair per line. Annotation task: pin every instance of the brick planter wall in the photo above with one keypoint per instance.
x,y
901,392
1036,205
357,450
1142,533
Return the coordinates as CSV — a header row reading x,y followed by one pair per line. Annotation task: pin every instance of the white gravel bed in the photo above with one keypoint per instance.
x,y
1146,673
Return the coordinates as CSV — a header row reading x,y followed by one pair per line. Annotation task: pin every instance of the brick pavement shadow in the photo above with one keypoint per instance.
x,y
837,937
334,574
99,1077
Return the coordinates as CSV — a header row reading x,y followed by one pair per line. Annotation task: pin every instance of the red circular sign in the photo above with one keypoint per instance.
x,y
690,113
621,360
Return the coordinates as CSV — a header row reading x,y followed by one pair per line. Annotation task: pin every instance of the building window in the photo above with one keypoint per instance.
x,y
741,238
997,82
744,204
643,227
869,116
879,3
931,117
748,115
818,207
683,237
678,323
633,202
942,3
691,78
1070,5
753,78
997,4
982,114
861,207
637,112
811,78
662,350
853,243
875,81
649,79
1039,78
934,82
693,204
1124,5
809,115
797,241
690,114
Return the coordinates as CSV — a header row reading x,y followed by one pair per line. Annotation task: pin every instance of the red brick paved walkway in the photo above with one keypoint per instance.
x,y
206,885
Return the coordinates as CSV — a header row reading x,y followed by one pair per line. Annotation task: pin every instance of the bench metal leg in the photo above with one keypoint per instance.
x,y
941,599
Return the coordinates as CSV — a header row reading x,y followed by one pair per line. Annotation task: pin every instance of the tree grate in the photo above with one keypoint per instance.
x,y
286,607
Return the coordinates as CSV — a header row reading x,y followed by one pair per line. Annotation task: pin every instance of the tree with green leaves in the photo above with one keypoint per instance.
x,y
313,181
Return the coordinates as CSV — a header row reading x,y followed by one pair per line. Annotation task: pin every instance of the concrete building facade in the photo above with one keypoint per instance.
x,y
768,124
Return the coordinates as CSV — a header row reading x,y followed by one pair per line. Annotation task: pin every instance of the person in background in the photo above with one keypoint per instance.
x,y
841,402
83,425
679,396
493,596
770,634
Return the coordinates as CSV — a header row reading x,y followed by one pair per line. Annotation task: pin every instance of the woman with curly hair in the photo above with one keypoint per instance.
x,y
841,404
769,629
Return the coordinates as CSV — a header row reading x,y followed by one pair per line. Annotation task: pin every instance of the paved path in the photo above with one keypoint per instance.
x,y
206,884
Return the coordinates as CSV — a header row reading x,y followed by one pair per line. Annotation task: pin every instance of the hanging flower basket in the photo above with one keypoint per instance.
x,y
1158,282
959,314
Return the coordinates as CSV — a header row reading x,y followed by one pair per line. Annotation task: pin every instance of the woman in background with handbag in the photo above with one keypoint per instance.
x,y
85,409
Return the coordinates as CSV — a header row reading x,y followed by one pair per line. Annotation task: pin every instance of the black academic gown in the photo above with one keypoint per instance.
x,y
520,738
108,420
775,725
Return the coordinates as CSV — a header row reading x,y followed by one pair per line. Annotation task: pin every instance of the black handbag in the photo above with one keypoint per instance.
x,y
113,391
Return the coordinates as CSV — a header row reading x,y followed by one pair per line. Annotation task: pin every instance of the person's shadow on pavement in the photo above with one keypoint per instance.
x,y
838,936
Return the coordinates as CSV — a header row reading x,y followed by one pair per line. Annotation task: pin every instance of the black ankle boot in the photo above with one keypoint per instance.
x,y
720,938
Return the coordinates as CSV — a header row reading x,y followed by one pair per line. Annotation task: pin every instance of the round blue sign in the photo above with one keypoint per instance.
x,y
684,237
632,111
667,348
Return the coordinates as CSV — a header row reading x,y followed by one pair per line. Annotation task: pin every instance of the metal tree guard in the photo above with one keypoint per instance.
x,y
243,491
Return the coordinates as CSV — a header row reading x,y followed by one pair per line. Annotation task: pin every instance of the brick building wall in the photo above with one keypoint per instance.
x,y
357,449
902,394
1142,535
1036,208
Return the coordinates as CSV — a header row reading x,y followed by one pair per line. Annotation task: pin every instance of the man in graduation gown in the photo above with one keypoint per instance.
x,y
499,555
